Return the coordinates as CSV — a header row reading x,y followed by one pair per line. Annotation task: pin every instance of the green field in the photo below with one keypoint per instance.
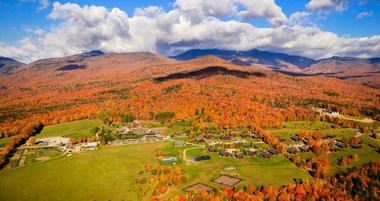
x,y
74,129
276,171
4,141
106,174
292,128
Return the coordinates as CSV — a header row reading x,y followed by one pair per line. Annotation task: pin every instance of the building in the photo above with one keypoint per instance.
x,y
304,148
244,135
265,154
226,137
291,150
53,141
207,136
295,138
90,146
340,144
199,140
239,155
250,152
273,151
254,136
212,149
356,146
224,153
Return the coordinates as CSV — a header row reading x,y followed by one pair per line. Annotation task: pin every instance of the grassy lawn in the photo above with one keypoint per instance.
x,y
4,141
40,155
74,129
306,125
292,128
258,171
106,174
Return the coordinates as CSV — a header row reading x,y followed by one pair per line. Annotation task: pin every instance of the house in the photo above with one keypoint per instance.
x,y
356,146
273,151
239,155
295,138
199,140
244,135
265,154
254,136
291,150
225,137
224,153
207,136
231,151
341,144
90,146
304,148
250,152
212,149
155,131
334,149
329,136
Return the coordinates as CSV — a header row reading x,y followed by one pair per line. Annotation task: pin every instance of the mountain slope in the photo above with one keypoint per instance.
x,y
363,71
273,60
8,65
145,84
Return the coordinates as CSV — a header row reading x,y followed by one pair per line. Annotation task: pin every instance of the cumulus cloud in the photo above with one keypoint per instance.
x,y
208,8
301,18
263,9
171,32
364,14
327,5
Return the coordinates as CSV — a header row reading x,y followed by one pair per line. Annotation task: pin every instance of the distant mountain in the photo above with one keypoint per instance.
x,y
272,60
8,65
363,71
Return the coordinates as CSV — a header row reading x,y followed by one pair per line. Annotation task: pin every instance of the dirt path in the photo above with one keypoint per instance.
x,y
185,150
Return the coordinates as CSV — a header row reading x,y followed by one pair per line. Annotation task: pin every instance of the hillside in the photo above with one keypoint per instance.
x,y
272,60
8,65
144,84
363,71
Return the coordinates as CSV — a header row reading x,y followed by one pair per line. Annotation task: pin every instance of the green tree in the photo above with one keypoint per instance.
x,y
127,118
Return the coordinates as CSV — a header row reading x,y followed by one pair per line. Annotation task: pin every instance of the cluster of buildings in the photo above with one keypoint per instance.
x,y
62,144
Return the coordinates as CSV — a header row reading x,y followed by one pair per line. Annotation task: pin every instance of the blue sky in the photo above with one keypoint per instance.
x,y
358,18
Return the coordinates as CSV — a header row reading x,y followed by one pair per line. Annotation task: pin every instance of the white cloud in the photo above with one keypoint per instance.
x,y
263,9
364,14
301,18
151,11
207,8
327,5
152,29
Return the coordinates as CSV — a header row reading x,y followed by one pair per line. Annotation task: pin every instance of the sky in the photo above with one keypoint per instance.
x,y
37,29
